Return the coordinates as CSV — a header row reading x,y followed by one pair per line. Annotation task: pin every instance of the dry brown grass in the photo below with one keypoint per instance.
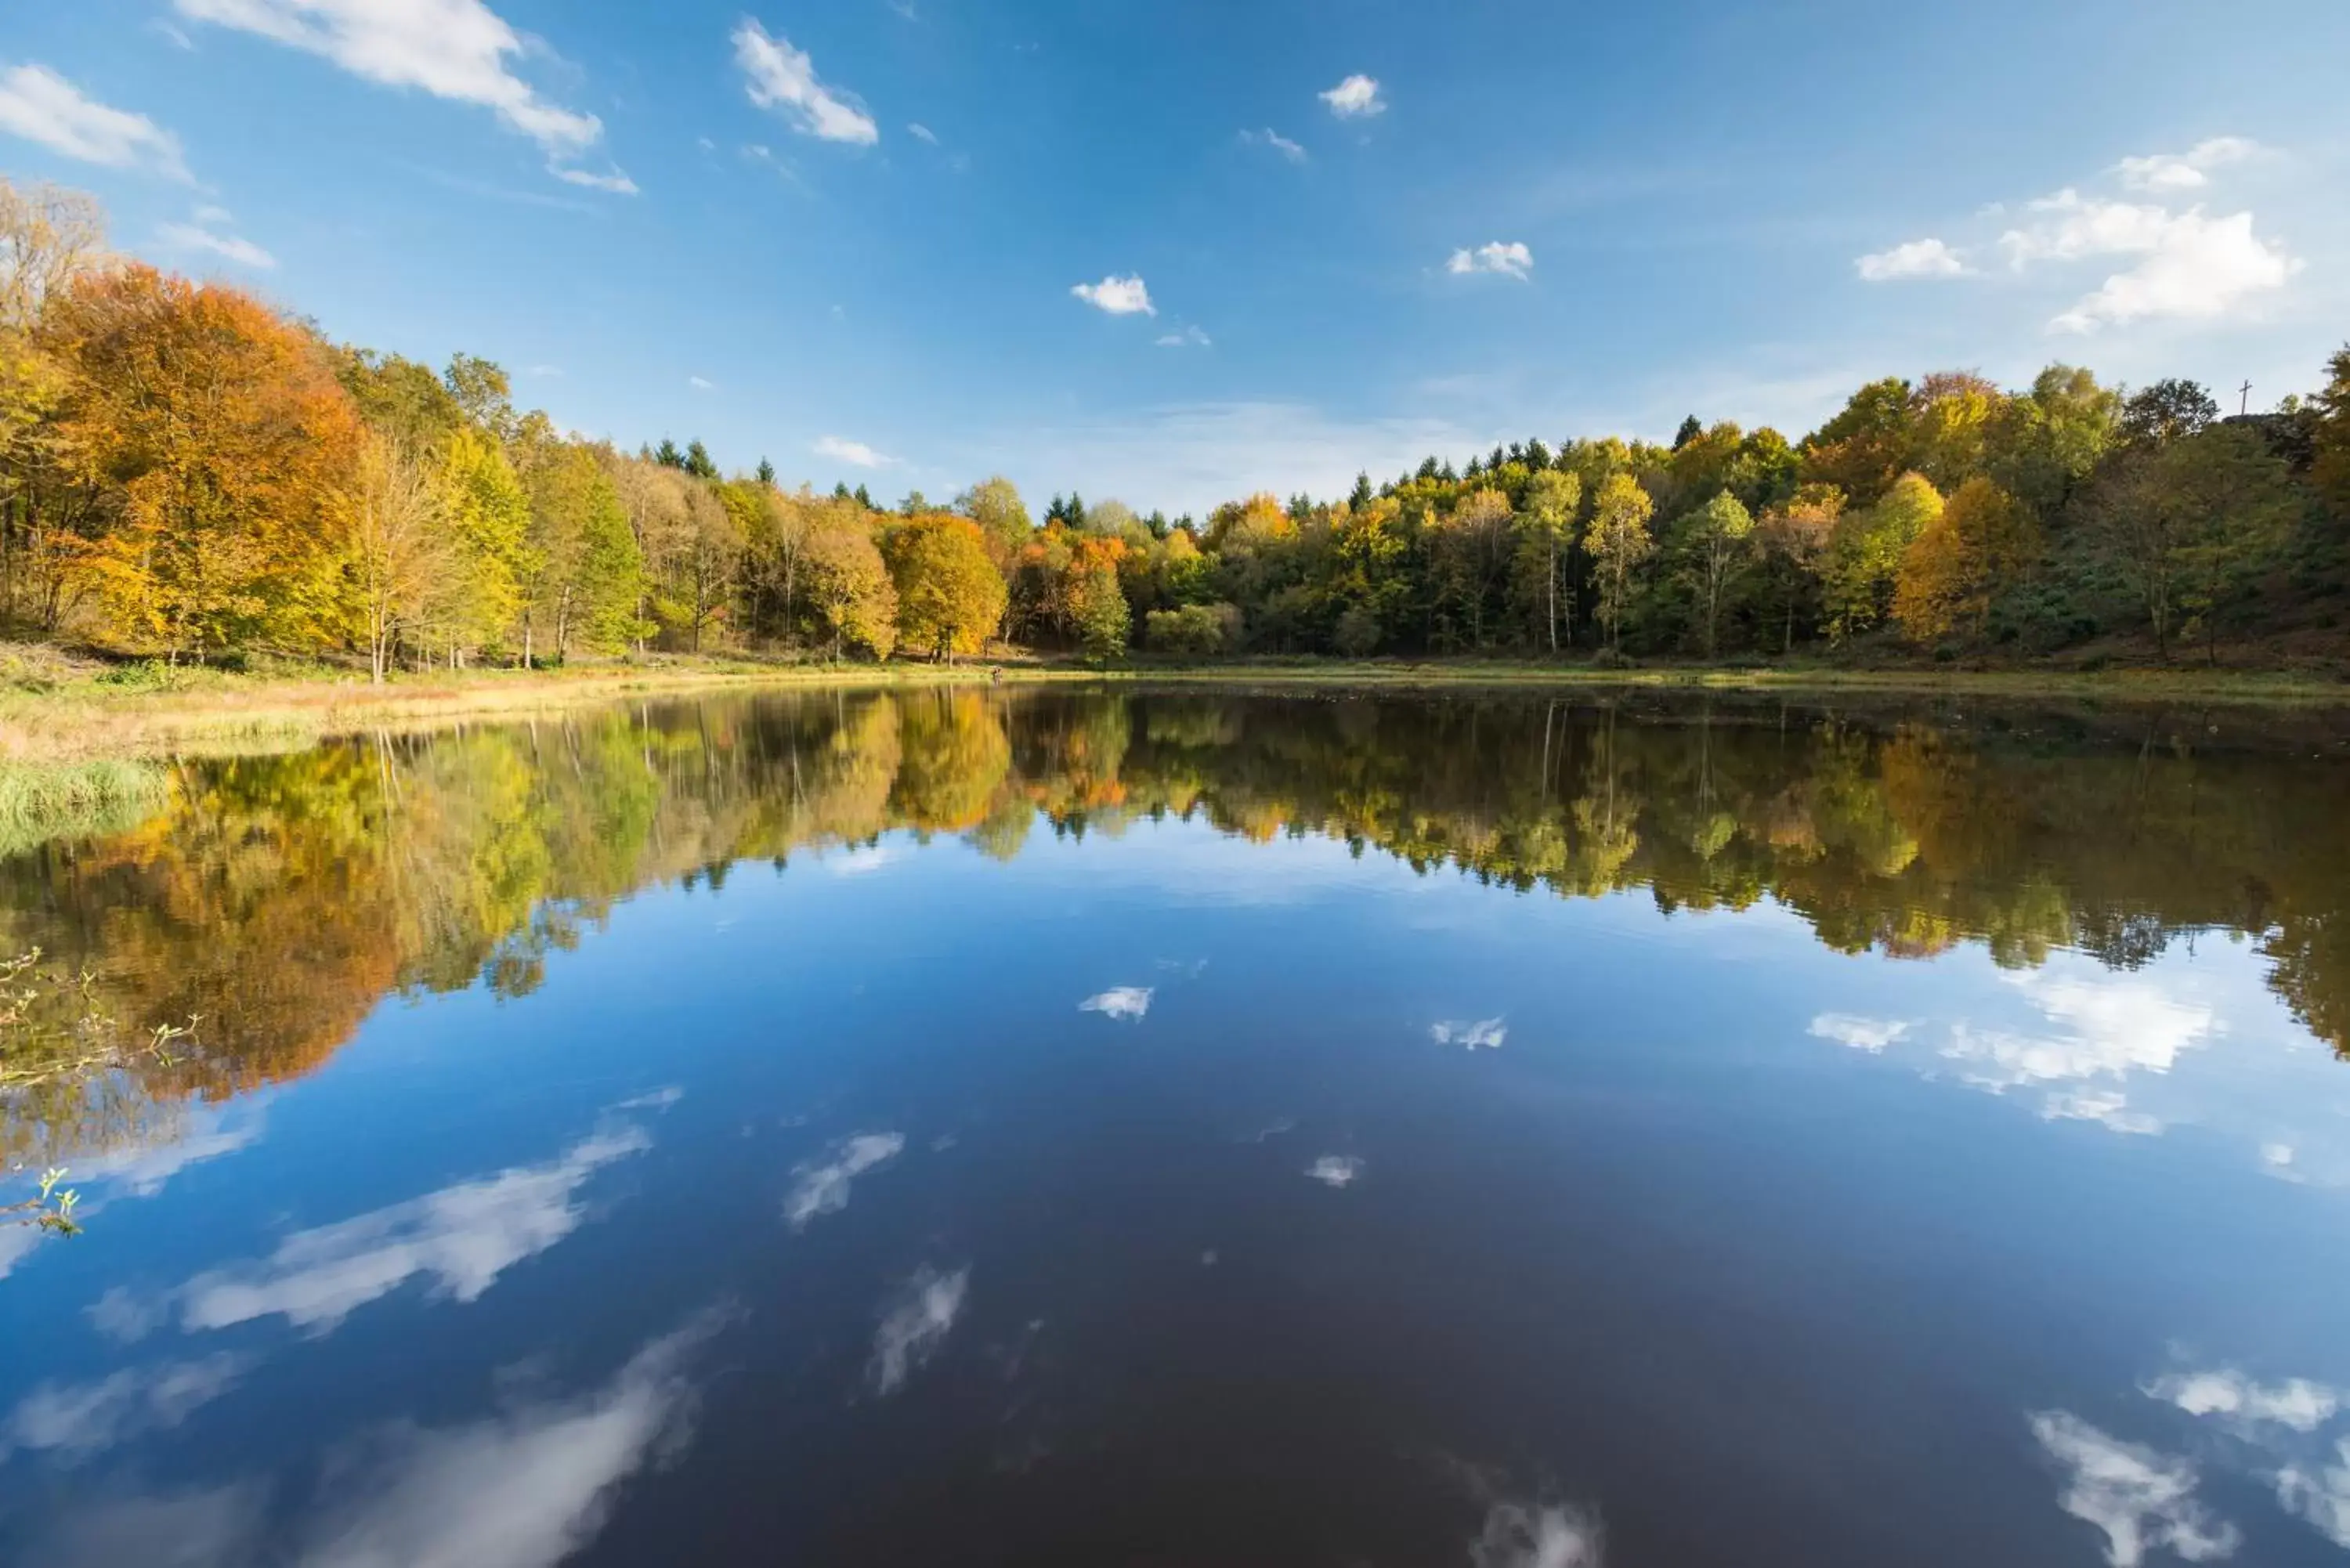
x,y
57,711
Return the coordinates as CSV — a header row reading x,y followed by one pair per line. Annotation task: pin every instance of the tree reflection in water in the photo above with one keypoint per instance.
x,y
279,898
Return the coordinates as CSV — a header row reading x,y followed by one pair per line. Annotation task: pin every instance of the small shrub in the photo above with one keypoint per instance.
x,y
140,675
1194,632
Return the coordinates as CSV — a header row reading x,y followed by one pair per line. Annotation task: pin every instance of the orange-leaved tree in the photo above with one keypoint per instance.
x,y
229,438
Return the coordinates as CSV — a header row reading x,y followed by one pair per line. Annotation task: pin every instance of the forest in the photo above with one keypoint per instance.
x,y
188,472
271,902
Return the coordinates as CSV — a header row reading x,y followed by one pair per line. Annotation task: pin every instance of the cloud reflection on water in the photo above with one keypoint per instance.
x,y
915,1326
821,1189
2141,1500
1125,1004
1516,1535
83,1418
523,1488
461,1238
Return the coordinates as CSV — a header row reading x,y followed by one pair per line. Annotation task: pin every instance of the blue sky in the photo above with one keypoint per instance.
x,y
703,219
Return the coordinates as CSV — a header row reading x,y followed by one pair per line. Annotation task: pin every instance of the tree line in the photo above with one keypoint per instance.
x,y
187,472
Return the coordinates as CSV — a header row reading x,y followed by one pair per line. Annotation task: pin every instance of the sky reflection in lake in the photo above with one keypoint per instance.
x,y
1158,1128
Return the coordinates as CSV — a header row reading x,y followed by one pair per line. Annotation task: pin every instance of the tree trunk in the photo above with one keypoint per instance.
x,y
1549,594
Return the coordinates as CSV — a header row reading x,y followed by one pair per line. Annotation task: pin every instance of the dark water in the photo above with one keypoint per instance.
x,y
1179,1129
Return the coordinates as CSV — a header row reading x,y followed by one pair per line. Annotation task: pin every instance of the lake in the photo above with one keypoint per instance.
x,y
1176,1127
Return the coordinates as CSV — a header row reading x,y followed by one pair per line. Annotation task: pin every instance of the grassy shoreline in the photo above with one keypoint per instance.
x,y
2129,685
77,718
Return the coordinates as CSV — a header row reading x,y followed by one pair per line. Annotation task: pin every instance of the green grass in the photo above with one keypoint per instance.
x,y
42,801
2179,682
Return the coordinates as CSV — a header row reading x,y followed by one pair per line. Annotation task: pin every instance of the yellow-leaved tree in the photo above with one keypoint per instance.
x,y
848,584
1866,552
1618,542
479,601
1981,540
951,599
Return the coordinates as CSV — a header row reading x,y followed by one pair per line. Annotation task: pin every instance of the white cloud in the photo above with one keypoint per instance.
x,y
780,78
2141,1500
916,1326
453,49
230,247
2188,265
1118,296
2321,1497
1916,259
700,383
1272,138
41,106
1337,1170
2193,266
821,1189
1511,260
1871,1034
2296,1403
921,132
2203,269
2167,174
855,453
2071,226
616,183
1485,1034
461,1238
1356,98
1125,1002
1549,1536
526,1488
170,34
1189,338
82,1419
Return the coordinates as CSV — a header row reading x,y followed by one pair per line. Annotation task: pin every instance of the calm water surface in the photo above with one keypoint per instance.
x,y
1176,1129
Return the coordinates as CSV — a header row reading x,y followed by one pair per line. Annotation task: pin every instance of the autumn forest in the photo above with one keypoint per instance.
x,y
190,473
